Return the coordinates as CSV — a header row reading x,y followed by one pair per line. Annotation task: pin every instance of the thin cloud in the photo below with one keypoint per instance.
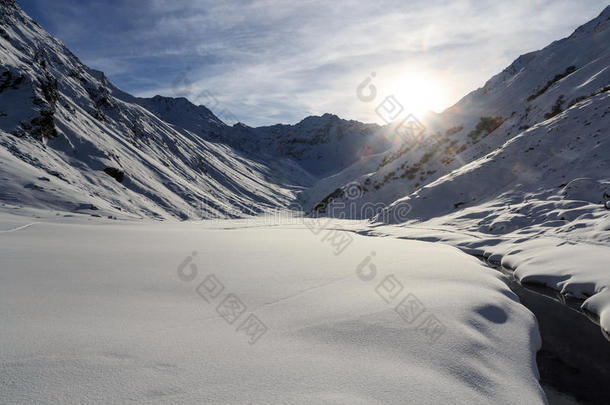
x,y
270,61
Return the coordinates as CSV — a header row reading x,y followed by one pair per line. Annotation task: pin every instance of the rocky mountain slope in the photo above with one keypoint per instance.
x,y
322,145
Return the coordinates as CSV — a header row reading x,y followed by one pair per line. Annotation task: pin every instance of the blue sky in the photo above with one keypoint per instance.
x,y
279,61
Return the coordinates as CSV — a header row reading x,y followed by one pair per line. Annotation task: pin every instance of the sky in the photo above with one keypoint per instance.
x,y
263,62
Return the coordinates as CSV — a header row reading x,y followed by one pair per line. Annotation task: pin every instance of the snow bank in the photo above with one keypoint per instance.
x,y
575,264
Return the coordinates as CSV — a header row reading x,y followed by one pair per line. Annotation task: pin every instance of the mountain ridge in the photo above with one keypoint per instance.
x,y
63,103
68,128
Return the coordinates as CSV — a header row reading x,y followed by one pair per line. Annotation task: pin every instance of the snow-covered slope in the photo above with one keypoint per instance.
x,y
561,159
534,88
70,140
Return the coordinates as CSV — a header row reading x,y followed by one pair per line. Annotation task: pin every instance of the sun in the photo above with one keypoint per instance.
x,y
418,94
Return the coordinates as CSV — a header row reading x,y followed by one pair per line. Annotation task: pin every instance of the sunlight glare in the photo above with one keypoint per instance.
x,y
418,94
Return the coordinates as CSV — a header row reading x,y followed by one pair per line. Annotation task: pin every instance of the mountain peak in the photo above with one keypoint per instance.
x,y
167,99
319,118
598,24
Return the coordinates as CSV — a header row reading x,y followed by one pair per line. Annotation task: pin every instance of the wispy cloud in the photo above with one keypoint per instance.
x,y
271,61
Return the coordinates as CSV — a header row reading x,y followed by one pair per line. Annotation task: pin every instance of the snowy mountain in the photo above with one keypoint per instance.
x,y
71,141
570,74
322,145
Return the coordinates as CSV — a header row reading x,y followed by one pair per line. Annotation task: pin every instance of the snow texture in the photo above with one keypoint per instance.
x,y
97,312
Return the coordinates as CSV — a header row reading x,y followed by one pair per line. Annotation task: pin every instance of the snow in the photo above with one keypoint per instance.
x,y
92,307
96,312
574,266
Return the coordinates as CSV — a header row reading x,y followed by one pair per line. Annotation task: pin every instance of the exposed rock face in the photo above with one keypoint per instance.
x,y
7,7
8,3
115,173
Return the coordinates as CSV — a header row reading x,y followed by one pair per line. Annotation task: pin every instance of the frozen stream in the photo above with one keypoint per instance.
x,y
574,361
